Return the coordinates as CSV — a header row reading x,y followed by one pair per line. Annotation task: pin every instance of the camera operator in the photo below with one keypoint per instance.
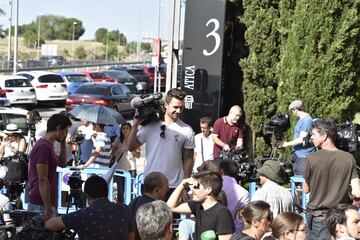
x,y
13,143
34,118
43,185
170,142
271,174
328,174
227,132
302,130
204,144
101,220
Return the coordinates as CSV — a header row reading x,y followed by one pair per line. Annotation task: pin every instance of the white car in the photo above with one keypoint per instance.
x,y
13,115
49,87
18,90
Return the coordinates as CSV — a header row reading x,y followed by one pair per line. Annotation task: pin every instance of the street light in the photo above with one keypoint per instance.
x,y
38,40
9,33
72,42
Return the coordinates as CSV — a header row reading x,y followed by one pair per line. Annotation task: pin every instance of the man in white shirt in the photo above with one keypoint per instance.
x,y
204,143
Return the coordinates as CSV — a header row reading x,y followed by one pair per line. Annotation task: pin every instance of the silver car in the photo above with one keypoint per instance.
x,y
18,90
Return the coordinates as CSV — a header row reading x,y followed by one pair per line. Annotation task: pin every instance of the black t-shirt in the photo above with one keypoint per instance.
x,y
217,218
242,236
134,206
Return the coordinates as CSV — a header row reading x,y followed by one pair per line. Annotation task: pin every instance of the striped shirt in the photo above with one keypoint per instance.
x,y
103,160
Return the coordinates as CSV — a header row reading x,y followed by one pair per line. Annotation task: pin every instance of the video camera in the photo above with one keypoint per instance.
x,y
238,155
277,125
78,138
148,107
75,182
30,123
30,225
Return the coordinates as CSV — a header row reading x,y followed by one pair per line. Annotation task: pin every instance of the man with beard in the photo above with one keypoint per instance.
x,y
43,185
211,217
343,222
170,147
227,132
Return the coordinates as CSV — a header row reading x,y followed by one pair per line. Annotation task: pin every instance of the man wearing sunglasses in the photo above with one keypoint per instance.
x,y
170,143
211,217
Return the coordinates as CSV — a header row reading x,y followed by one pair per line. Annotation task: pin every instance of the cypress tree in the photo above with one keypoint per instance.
x,y
259,68
320,58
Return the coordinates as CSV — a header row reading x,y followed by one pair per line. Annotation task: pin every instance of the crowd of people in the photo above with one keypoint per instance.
x,y
186,174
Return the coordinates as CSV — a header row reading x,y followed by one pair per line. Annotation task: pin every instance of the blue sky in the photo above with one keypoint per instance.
x,y
111,14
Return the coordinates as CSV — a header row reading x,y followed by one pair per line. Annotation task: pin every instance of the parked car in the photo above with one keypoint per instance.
x,y
73,80
13,115
114,95
126,79
150,71
18,90
53,60
49,86
97,76
139,74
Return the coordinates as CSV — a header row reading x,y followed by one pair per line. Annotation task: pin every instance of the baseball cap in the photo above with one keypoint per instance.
x,y
296,104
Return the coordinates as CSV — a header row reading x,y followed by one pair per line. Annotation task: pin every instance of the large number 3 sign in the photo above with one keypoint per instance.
x,y
213,34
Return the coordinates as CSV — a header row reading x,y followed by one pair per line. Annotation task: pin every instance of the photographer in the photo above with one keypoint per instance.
x,y
170,142
101,220
328,174
227,132
302,130
13,143
43,184
35,122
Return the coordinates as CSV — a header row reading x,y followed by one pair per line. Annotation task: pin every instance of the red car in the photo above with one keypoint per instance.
x,y
98,76
150,70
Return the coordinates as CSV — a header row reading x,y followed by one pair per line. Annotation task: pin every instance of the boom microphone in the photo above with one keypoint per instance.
x,y
138,102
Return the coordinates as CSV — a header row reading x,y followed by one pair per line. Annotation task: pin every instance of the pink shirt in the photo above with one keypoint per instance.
x,y
42,153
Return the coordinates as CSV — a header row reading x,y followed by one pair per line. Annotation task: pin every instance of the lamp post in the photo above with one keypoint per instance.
x,y
16,38
72,42
9,34
38,39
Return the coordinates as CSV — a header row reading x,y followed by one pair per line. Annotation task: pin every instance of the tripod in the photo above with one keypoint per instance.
x,y
76,198
32,141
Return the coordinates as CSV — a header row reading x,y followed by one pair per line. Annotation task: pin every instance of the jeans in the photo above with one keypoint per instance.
x,y
299,165
40,209
186,228
316,227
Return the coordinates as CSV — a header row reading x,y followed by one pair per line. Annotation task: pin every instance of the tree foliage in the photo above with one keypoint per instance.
x,y
80,53
320,60
259,68
30,39
103,35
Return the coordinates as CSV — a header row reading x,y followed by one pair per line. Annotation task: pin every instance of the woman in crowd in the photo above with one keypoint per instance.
x,y
288,226
123,158
257,217
13,143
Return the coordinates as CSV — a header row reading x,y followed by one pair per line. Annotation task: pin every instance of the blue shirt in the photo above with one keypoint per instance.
x,y
102,220
303,125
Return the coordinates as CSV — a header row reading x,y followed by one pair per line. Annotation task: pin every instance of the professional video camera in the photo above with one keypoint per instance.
x,y
75,182
76,196
148,107
78,138
248,172
30,123
238,155
277,125
30,226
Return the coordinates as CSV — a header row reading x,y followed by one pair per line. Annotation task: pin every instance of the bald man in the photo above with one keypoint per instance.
x,y
227,132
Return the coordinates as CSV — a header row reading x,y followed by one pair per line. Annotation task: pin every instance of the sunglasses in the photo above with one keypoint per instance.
x,y
162,133
197,186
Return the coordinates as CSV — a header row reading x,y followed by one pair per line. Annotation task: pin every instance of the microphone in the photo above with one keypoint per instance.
x,y
138,102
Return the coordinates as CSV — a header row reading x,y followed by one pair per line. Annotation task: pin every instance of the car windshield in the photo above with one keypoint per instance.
x,y
17,83
77,78
50,78
19,120
93,90
98,75
135,71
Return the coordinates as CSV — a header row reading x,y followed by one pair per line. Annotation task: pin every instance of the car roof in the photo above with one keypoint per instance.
x,y
101,83
70,73
13,110
85,72
6,77
38,73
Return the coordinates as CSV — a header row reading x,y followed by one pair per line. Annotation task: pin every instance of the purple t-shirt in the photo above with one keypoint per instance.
x,y
42,153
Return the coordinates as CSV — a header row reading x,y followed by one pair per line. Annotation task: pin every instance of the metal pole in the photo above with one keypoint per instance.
x,y
72,42
16,37
38,40
9,34
157,79
138,45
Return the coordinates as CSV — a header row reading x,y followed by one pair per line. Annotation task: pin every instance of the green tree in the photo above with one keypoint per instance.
x,y
80,52
320,60
100,35
259,68
30,39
